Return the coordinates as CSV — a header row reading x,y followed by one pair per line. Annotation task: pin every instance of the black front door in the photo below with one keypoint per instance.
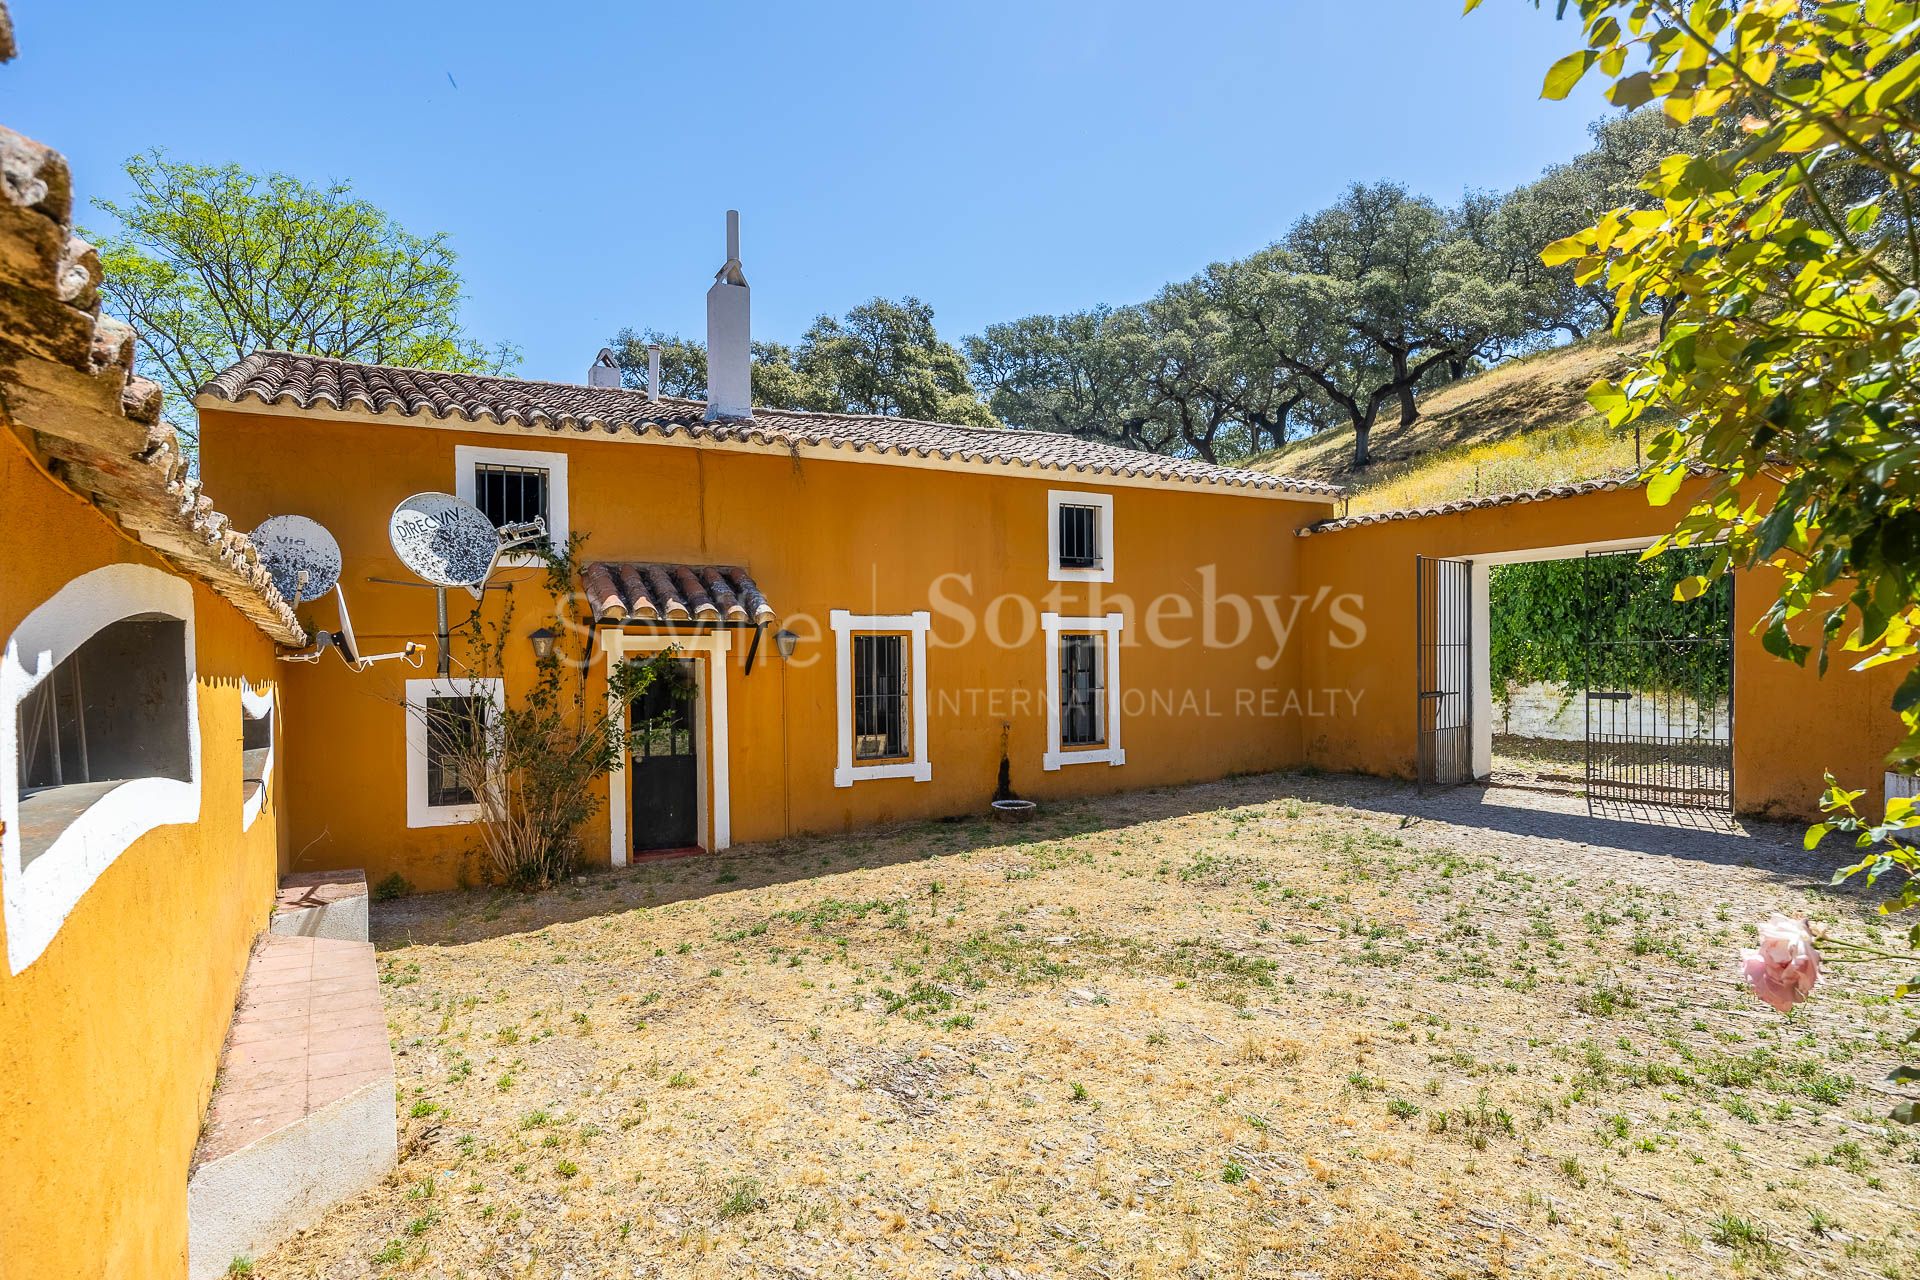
x,y
665,766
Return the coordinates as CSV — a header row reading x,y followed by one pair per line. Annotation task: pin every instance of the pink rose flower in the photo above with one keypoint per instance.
x,y
1784,967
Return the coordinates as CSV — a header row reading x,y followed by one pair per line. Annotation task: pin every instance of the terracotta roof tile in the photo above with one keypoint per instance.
x,y
635,591
278,378
68,391
1625,480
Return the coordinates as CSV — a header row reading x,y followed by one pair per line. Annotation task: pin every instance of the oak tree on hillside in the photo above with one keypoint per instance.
x,y
1172,375
211,263
1518,227
1364,298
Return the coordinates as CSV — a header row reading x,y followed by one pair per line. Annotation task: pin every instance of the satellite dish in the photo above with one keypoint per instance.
x,y
304,562
300,555
447,542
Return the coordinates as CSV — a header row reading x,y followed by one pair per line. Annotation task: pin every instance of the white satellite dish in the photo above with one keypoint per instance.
x,y
447,542
300,555
303,560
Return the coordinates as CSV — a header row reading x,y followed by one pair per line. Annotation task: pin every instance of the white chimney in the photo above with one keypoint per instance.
x,y
604,372
729,335
653,371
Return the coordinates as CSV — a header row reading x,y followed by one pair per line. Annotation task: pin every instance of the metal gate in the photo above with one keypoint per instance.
x,y
1659,683
1443,600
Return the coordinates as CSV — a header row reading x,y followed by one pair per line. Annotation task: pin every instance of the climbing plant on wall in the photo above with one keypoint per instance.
x,y
1568,621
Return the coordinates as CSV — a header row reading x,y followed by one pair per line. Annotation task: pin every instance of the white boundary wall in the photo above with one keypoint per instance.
x,y
1554,712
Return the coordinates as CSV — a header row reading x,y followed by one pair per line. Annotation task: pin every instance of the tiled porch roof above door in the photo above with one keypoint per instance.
x,y
634,591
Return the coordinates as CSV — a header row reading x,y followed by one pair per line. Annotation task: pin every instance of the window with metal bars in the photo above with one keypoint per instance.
x,y
1083,692
453,728
511,495
1079,536
880,697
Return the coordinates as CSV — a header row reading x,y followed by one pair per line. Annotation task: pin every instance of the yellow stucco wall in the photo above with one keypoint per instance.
x,y
1789,724
109,1040
817,535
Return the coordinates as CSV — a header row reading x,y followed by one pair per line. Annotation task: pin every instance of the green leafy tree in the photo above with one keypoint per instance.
x,y
1081,374
1786,258
683,364
885,357
882,357
683,368
211,263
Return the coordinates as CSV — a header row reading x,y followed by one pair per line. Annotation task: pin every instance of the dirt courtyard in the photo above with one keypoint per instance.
x,y
1276,1026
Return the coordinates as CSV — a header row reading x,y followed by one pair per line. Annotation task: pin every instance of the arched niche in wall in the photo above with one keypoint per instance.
x,y
99,739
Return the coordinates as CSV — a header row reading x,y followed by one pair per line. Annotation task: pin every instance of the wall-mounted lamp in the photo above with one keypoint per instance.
x,y
542,641
784,640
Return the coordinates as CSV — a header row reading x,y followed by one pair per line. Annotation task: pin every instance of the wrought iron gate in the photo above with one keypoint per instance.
x,y
1443,600
1659,684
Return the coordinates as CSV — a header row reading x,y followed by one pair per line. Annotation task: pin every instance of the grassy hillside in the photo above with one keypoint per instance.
x,y
1521,425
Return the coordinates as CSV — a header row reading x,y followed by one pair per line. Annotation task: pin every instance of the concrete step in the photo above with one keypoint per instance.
x,y
303,1114
322,904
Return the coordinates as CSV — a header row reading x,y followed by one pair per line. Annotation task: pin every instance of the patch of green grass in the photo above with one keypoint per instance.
x,y
1604,998
394,886
921,1000
741,1197
1741,1235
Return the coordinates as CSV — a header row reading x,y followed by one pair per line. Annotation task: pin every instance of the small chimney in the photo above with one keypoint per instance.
x,y
653,371
729,335
604,372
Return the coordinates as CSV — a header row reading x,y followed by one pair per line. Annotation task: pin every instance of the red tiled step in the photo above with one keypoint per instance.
x,y
303,1111
322,904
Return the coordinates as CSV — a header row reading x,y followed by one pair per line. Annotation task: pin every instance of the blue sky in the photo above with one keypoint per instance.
x,y
996,159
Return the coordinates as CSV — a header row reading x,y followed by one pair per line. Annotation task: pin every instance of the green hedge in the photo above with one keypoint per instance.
x,y
1540,630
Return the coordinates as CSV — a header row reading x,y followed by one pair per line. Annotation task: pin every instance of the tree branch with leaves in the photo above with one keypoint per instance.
x,y
212,263
1786,261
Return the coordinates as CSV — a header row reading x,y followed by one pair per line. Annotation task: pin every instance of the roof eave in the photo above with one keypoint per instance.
x,y
755,441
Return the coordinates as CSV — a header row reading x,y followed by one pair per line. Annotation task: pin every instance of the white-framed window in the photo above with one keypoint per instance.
x,y
881,667
444,716
100,730
1079,536
1083,690
512,486
256,750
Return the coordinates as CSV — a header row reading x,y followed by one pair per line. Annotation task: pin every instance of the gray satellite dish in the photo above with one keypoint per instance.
x,y
447,542
300,555
304,562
